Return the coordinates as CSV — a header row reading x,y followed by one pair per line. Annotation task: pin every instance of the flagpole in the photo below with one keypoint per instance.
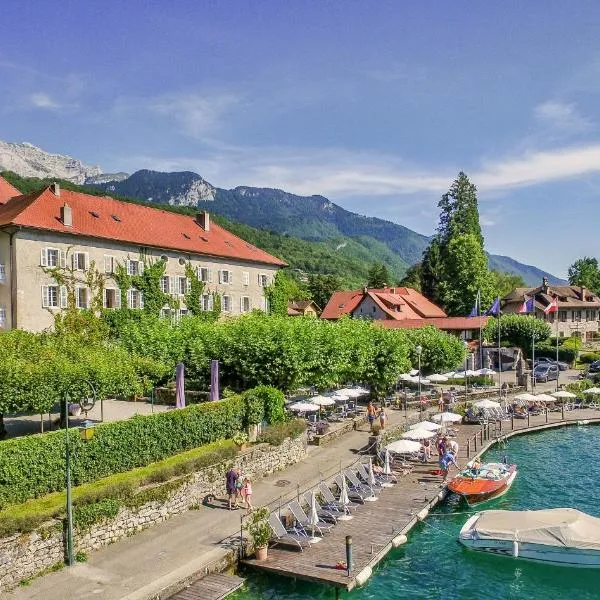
x,y
478,301
556,318
499,356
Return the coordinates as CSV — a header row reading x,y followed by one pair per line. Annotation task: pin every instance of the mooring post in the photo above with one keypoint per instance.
x,y
512,421
298,492
528,418
501,427
349,554
562,410
546,413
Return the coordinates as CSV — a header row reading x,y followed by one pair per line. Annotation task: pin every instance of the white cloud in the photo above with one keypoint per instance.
x,y
42,100
562,117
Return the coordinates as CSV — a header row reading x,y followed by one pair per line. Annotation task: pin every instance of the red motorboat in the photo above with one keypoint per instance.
x,y
488,481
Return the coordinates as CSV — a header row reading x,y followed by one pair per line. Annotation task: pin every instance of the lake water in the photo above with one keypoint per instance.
x,y
557,468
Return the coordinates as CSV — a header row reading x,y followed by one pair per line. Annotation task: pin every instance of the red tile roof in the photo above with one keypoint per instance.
x,y
7,191
445,323
396,303
94,216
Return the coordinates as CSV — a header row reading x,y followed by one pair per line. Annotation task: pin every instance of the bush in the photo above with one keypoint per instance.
x,y
519,330
271,402
589,357
567,355
275,434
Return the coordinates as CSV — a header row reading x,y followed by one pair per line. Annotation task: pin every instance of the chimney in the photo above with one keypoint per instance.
x,y
203,219
392,290
583,293
66,215
545,285
365,290
55,188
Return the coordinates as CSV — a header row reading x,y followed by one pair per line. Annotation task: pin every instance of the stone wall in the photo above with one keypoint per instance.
x,y
25,555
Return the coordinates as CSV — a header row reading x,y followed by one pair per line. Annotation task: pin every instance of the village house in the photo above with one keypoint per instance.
x,y
60,230
302,308
578,308
399,308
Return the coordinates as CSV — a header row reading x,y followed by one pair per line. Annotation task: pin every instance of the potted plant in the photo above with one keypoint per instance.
x,y
259,531
374,437
240,439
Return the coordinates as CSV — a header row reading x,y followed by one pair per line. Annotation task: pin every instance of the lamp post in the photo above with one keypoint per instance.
x,y
418,350
466,367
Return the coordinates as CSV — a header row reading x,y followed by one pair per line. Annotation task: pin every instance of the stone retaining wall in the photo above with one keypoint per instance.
x,y
25,555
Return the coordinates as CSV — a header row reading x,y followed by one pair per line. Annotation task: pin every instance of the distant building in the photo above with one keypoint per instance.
x,y
65,230
302,308
399,308
578,308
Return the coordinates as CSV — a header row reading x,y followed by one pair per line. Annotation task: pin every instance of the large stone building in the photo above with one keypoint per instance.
x,y
578,308
54,230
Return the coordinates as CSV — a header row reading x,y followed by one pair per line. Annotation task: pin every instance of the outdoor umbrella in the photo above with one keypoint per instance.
x,y
350,392
450,374
387,469
313,516
372,480
322,400
409,378
426,425
344,500
404,446
487,404
214,380
564,394
544,398
337,397
180,386
471,373
414,372
437,378
447,417
485,371
303,407
418,434
526,397
592,390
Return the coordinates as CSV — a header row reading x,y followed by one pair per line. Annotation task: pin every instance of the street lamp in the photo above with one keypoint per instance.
x,y
418,350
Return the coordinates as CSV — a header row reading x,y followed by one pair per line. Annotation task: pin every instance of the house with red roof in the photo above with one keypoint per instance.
x,y
62,230
399,308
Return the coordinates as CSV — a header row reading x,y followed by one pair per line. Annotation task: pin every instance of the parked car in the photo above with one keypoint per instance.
x,y
545,372
544,360
594,367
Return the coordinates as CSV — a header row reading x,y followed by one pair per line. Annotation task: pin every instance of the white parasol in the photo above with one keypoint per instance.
x,y
322,400
426,425
350,392
372,480
414,372
544,398
313,516
447,417
485,371
303,407
525,397
418,434
470,373
564,394
404,446
592,390
487,404
437,378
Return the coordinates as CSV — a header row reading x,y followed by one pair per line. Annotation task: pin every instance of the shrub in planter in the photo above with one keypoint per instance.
x,y
259,531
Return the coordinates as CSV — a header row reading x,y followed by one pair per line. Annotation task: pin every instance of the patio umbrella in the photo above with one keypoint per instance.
x,y
544,398
403,446
450,374
487,404
386,463
344,500
564,394
526,397
337,397
592,390
414,372
485,371
437,378
350,392
303,407
418,434
313,517
426,425
180,386
447,417
214,380
471,373
322,400
408,377
372,480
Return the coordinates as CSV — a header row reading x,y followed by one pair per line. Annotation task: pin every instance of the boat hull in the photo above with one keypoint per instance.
x,y
477,490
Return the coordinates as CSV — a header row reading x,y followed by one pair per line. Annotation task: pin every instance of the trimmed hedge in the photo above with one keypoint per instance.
x,y
567,355
589,357
35,465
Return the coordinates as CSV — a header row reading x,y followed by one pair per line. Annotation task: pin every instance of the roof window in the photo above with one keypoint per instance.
x,y
203,239
94,214
229,243
116,218
186,236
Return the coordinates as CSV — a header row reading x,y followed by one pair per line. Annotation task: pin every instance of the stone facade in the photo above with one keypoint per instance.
x,y
24,555
241,288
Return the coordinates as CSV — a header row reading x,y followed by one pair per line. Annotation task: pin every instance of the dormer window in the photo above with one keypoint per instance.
x,y
116,218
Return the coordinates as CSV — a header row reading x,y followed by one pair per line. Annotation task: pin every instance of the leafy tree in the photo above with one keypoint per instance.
x,y
585,272
283,289
412,278
518,330
322,287
193,297
503,283
378,276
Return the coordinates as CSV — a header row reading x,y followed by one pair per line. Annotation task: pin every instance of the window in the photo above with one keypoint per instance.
x,y
245,305
263,280
183,312
2,273
246,278
183,285
576,315
225,276
164,284
265,306
110,263
204,274
82,297
54,296
80,261
207,303
562,316
112,298
226,304
134,299
135,267
53,257
2,317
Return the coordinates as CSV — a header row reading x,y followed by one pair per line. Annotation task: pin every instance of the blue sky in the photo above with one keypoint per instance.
x,y
375,104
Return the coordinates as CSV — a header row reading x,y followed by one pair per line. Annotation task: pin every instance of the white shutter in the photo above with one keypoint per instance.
x,y
141,267
74,261
104,297
63,296
44,258
141,300
107,263
209,271
129,298
87,261
230,278
220,276
44,296
242,304
170,284
246,278
118,298
62,259
188,285
259,279
199,273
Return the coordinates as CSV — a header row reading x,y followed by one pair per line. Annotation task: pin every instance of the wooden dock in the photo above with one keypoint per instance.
x,y
211,587
379,526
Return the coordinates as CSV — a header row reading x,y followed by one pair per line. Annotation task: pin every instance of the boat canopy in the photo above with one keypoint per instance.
x,y
565,527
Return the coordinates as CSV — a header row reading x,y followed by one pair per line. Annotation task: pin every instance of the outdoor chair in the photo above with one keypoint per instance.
x,y
353,494
329,515
330,501
355,486
284,537
363,473
321,527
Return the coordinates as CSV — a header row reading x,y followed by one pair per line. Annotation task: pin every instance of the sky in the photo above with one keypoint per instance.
x,y
375,104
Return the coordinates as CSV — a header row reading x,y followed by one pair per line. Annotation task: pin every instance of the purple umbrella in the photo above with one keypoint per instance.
x,y
180,386
214,380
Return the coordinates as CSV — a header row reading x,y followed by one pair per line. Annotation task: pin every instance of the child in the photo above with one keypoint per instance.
x,y
247,491
382,417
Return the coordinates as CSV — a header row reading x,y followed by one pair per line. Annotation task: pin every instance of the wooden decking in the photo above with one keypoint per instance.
x,y
376,524
211,587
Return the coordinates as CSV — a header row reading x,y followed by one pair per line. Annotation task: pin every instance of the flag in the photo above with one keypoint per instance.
x,y
495,308
552,307
475,311
527,305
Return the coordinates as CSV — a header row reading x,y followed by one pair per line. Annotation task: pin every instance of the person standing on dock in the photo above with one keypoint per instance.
x,y
445,462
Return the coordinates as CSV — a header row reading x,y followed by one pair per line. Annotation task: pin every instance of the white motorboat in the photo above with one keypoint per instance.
x,y
560,536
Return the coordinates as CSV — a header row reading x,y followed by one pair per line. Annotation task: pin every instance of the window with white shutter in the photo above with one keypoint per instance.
x,y
182,285
81,261
246,278
2,317
263,280
50,257
226,304
82,297
206,302
112,298
165,286
50,296
134,299
245,304
225,276
2,273
204,274
135,267
110,263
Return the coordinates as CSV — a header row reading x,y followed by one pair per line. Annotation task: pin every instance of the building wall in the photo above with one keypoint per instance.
x,y
367,309
5,288
31,276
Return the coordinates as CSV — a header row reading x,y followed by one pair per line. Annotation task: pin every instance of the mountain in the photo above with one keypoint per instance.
x,y
313,218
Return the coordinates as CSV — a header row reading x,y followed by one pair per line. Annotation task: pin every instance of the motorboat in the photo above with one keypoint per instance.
x,y
560,536
482,483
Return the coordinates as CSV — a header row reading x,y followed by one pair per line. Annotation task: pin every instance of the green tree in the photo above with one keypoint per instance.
x,y
585,272
322,287
504,283
283,289
518,330
412,278
378,276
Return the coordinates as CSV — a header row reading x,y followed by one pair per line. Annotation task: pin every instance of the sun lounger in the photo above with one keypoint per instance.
x,y
329,514
357,484
321,527
284,537
354,495
331,502
363,473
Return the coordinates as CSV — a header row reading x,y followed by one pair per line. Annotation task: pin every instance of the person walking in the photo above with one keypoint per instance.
x,y
370,414
445,462
382,417
231,478
239,488
247,491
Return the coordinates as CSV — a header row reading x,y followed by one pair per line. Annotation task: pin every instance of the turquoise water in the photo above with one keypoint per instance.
x,y
556,468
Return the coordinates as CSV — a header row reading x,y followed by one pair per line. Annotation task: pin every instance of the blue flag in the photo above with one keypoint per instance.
x,y
495,308
475,311
527,306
